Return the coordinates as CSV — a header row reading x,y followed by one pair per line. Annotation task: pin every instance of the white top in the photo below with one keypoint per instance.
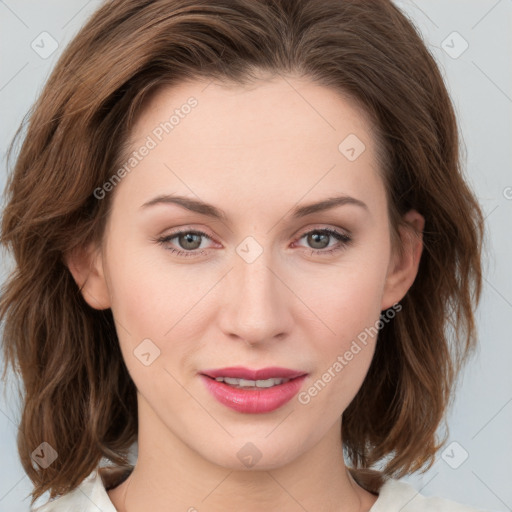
x,y
394,496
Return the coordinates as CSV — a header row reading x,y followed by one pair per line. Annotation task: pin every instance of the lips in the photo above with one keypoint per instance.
x,y
254,399
240,372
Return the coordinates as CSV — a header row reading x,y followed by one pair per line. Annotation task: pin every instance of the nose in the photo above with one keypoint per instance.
x,y
256,304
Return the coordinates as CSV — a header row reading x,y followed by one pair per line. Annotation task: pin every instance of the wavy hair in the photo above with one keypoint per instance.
x,y
78,395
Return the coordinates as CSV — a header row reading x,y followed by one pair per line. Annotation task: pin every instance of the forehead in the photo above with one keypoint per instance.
x,y
284,107
275,139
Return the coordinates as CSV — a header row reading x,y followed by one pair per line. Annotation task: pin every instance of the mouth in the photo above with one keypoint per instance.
x,y
253,391
242,377
251,384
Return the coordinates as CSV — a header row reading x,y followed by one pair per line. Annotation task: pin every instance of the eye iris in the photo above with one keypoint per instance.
x,y
313,238
189,238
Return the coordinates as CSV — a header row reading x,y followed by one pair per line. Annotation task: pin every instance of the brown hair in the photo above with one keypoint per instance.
x,y
79,396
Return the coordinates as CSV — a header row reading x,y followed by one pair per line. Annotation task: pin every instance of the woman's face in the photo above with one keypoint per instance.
x,y
266,285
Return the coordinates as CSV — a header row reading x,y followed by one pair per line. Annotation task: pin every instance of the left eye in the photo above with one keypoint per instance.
x,y
320,236
187,240
190,241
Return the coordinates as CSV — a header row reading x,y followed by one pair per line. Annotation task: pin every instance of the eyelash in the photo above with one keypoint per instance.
x,y
341,237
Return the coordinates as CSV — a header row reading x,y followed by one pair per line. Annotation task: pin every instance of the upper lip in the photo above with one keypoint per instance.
x,y
239,372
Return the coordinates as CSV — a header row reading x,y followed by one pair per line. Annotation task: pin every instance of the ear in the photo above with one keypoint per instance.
x,y
404,264
86,267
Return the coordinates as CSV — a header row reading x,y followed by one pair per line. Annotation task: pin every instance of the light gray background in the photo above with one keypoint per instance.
x,y
480,82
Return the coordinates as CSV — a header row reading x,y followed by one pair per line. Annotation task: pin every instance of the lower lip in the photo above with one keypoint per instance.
x,y
253,400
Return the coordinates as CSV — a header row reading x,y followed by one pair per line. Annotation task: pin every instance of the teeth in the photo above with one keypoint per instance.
x,y
243,383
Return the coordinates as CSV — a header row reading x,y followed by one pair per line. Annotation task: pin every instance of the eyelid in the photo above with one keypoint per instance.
x,y
324,227
186,229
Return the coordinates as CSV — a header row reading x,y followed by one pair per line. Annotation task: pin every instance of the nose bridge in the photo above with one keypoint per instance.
x,y
256,302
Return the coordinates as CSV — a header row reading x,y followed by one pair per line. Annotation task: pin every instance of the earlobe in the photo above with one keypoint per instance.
x,y
86,267
404,264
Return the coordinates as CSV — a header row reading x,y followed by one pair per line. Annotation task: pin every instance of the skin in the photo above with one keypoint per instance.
x,y
256,152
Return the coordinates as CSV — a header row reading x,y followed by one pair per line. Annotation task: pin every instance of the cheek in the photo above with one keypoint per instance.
x,y
147,307
352,311
154,300
348,302
347,297
343,356
139,300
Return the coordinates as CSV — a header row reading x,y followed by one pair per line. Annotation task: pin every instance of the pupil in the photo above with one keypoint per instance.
x,y
189,238
315,236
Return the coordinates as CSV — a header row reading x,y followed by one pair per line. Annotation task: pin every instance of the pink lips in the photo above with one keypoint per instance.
x,y
253,400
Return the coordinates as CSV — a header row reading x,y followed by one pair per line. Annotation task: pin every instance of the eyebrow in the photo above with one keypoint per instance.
x,y
209,210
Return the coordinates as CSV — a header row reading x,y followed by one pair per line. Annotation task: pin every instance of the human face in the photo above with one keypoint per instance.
x,y
250,292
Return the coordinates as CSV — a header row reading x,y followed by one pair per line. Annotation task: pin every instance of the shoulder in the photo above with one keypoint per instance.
x,y
395,495
90,496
